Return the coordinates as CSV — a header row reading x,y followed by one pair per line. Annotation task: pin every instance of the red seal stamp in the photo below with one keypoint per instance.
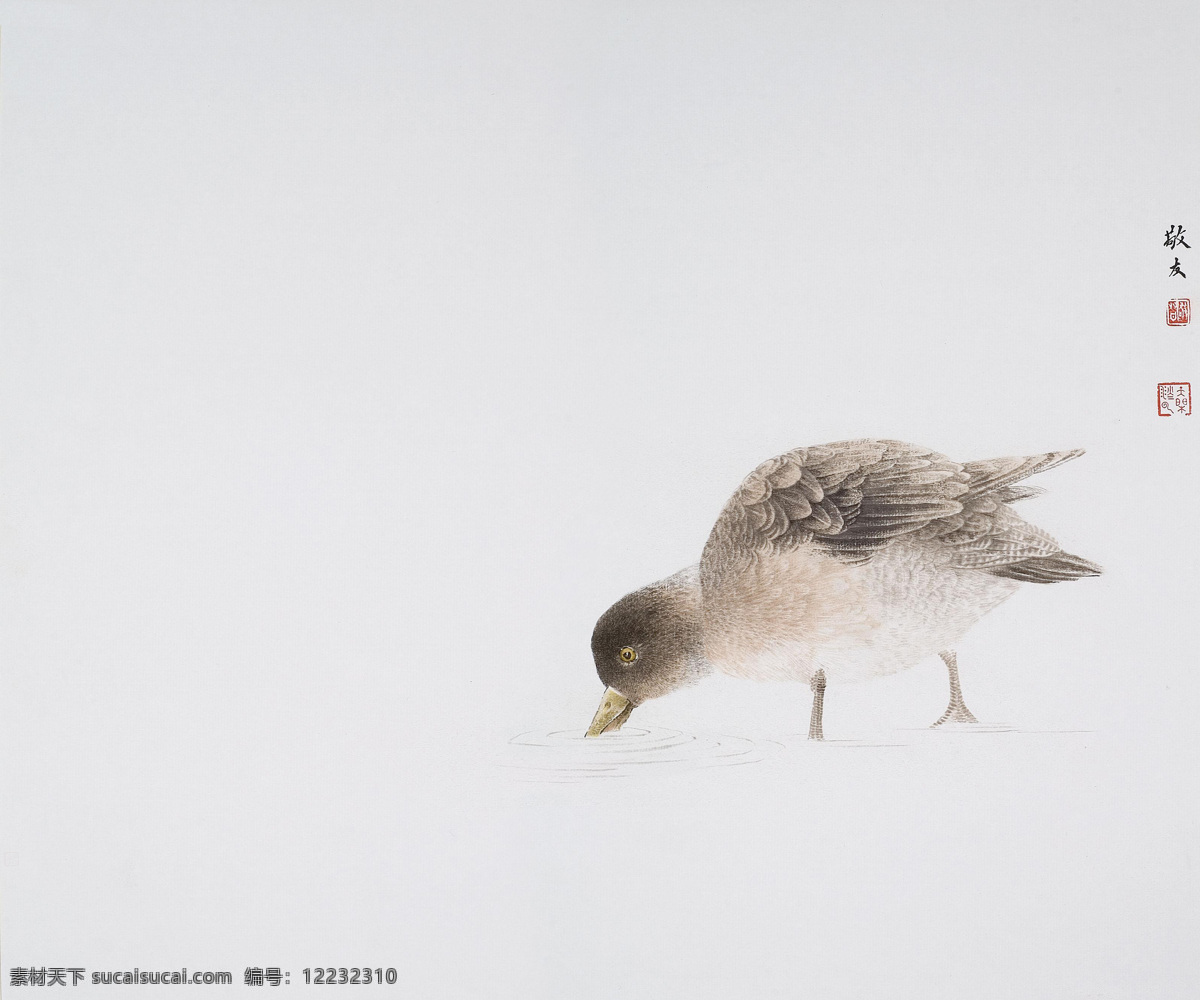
x,y
1174,399
1179,312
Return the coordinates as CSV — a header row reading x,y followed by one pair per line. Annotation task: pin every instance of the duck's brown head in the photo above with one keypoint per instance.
x,y
646,645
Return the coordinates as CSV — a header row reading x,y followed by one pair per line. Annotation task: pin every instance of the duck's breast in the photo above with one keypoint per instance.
x,y
767,618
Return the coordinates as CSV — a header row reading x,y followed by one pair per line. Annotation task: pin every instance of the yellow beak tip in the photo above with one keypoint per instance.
x,y
614,709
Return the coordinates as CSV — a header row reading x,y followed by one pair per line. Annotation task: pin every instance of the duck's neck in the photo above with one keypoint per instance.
x,y
681,592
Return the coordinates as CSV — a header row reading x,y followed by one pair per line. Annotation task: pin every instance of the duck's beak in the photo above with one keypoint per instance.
x,y
614,709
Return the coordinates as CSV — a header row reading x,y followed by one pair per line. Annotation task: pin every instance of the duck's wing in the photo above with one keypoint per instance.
x,y
848,499
990,536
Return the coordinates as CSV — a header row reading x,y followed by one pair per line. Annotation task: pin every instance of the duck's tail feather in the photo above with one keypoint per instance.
x,y
995,475
1011,494
1048,569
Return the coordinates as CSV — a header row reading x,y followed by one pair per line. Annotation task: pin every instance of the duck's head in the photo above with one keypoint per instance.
x,y
646,645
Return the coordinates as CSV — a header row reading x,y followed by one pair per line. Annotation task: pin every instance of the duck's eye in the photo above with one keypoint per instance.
x,y
628,654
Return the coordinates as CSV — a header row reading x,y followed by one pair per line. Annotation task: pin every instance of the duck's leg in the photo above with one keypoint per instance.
x,y
957,710
818,706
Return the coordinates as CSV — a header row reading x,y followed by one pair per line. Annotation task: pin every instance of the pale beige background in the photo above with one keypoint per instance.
x,y
357,355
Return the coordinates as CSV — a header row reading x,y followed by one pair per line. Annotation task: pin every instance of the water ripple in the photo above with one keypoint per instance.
x,y
566,755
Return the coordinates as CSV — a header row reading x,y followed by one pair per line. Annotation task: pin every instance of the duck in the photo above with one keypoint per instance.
x,y
832,563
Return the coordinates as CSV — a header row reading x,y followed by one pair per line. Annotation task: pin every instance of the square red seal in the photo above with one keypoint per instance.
x,y
1174,399
1179,312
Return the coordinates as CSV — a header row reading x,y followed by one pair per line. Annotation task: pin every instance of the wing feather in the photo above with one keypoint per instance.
x,y
852,498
